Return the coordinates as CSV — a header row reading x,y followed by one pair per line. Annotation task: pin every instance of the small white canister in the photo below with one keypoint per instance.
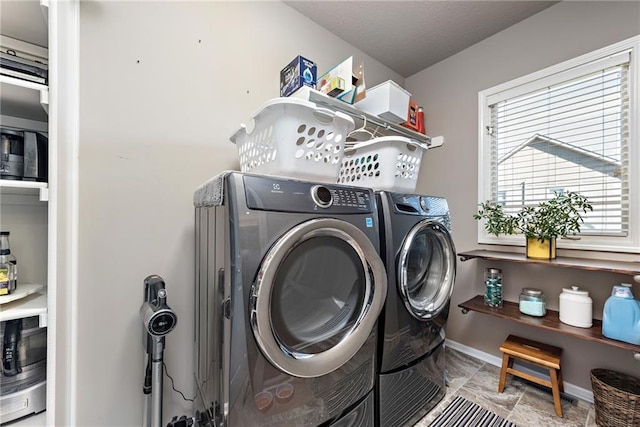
x,y
576,307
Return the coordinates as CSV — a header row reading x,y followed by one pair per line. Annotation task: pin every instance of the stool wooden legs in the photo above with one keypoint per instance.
x,y
555,388
560,386
555,380
539,354
507,362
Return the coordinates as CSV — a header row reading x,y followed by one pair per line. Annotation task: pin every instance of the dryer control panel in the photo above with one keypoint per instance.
x,y
433,207
288,195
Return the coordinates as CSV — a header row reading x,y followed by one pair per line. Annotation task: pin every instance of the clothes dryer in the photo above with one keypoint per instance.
x,y
420,260
289,288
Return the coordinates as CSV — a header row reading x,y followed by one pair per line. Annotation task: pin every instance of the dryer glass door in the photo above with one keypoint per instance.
x,y
426,269
316,298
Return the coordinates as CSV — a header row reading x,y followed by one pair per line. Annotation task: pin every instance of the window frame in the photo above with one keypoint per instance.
x,y
562,72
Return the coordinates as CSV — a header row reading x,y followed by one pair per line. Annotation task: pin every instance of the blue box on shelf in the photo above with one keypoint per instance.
x,y
300,72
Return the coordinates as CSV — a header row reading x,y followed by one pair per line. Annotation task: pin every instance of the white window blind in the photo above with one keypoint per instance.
x,y
572,135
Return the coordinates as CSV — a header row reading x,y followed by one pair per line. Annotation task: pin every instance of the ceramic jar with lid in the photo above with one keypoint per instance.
x,y
532,302
576,307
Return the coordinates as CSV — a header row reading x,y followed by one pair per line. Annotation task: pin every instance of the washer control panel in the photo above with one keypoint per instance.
x,y
351,197
288,195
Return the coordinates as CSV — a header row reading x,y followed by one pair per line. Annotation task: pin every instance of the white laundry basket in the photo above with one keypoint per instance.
x,y
294,138
389,163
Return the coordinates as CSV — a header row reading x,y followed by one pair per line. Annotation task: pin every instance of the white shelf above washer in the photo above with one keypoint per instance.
x,y
374,124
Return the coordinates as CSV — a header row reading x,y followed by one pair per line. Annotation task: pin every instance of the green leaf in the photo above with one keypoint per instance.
x,y
557,217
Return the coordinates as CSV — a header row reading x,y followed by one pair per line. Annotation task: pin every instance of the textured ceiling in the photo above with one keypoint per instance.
x,y
409,36
406,36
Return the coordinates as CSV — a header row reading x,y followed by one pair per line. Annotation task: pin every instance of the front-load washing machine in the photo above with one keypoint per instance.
x,y
289,287
420,260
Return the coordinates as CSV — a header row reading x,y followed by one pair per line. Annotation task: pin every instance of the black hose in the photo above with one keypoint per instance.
x,y
146,389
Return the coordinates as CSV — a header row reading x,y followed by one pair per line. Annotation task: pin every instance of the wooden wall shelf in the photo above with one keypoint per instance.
x,y
550,322
622,267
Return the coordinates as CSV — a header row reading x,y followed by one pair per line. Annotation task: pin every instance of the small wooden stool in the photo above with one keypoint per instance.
x,y
544,355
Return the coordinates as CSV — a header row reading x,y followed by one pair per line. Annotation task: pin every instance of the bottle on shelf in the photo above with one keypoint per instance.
x,y
493,287
8,266
420,120
621,315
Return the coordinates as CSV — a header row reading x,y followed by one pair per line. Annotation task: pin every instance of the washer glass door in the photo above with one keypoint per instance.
x,y
316,298
426,269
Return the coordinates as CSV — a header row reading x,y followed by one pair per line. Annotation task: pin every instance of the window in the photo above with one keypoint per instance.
x,y
571,127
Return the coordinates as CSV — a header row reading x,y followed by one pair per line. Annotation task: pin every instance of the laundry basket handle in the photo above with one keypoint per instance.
x,y
418,144
349,150
434,142
324,115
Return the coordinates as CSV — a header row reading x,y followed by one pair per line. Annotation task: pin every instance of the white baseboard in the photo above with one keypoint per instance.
x,y
569,389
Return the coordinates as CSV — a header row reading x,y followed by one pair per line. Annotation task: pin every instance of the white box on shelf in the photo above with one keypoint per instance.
x,y
387,100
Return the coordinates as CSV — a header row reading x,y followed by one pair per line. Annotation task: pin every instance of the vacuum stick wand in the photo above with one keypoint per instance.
x,y
156,382
158,320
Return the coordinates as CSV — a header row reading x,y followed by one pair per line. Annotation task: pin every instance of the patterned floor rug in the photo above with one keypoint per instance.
x,y
464,413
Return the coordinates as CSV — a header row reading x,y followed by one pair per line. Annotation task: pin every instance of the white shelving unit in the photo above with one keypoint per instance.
x,y
28,102
25,106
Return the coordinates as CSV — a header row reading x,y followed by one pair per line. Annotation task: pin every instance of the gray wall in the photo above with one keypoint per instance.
x,y
162,87
449,93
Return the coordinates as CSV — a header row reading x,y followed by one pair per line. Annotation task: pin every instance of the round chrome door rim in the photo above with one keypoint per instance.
x,y
314,365
443,236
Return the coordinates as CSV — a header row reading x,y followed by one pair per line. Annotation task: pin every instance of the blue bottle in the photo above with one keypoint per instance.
x,y
621,317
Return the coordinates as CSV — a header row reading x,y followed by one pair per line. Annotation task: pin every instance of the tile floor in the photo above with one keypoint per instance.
x,y
520,403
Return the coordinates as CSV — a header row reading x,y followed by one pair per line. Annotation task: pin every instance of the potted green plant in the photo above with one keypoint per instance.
x,y
542,224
